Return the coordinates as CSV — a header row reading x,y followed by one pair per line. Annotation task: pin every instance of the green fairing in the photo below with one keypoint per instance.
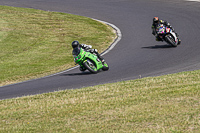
x,y
82,57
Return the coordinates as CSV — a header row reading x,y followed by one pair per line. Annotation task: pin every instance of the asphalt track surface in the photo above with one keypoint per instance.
x,y
137,55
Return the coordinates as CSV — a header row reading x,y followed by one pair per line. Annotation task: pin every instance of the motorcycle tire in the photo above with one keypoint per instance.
x,y
169,39
90,66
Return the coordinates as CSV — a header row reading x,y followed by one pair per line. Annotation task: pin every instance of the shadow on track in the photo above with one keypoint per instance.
x,y
159,47
76,74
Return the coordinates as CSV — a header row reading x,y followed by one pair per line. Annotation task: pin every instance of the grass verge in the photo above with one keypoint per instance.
x,y
35,43
168,103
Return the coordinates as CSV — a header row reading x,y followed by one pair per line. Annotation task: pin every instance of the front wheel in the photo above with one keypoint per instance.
x,y
169,39
90,66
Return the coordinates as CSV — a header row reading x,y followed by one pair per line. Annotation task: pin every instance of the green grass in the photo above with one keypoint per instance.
x,y
35,43
166,104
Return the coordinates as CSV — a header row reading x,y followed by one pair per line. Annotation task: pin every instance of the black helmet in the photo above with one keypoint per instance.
x,y
75,44
155,20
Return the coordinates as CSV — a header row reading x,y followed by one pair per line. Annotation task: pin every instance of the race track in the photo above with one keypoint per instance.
x,y
136,55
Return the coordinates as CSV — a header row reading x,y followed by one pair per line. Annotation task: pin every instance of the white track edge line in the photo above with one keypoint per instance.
x,y
119,36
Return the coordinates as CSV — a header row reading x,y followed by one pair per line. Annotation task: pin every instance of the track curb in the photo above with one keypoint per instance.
x,y
113,44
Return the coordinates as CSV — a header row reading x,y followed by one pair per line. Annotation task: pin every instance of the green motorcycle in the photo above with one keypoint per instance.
x,y
89,61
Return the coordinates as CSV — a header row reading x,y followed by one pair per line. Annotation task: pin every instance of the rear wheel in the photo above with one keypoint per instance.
x,y
169,39
90,66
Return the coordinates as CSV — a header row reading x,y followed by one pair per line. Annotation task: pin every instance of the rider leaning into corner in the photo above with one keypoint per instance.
x,y
76,46
156,22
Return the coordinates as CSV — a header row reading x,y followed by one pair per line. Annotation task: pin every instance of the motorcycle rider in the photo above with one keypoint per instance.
x,y
156,22
76,46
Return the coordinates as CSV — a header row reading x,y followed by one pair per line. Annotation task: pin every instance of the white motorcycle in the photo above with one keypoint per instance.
x,y
167,35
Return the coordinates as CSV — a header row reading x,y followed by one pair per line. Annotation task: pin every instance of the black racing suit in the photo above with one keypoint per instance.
x,y
155,25
88,48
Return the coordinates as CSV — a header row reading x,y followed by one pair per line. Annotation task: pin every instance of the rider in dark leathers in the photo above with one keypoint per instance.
x,y
156,22
76,46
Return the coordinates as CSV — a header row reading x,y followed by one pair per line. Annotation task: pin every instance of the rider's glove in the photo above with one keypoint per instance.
x,y
168,25
93,50
89,46
86,46
83,45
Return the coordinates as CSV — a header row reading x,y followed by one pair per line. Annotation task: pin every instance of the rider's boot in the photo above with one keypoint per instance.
x,y
103,61
81,68
99,56
158,39
179,41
